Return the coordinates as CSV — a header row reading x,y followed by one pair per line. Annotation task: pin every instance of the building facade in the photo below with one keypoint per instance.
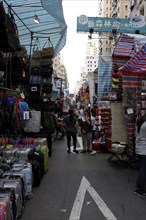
x,y
60,70
137,7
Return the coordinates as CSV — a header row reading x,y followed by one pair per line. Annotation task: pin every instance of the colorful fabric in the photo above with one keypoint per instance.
x,y
136,63
124,46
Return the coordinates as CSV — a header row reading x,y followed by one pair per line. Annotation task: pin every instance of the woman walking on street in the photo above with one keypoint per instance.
x,y
141,152
85,124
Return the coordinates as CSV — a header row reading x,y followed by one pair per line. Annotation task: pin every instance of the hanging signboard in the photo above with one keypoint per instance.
x,y
135,25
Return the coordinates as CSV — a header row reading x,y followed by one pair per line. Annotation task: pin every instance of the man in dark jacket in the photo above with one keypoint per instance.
x,y
50,122
70,124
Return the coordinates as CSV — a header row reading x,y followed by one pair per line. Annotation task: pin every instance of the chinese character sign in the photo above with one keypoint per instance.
x,y
103,24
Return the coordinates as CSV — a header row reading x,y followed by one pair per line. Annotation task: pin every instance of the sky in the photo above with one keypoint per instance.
x,y
74,51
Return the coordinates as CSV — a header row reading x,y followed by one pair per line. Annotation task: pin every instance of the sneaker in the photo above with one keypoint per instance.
x,y
75,151
68,151
138,193
83,151
89,151
93,152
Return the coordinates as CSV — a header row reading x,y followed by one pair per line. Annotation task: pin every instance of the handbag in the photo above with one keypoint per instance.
x,y
47,52
46,71
47,88
35,79
46,61
35,70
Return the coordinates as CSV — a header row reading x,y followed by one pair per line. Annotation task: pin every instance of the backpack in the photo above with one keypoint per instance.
x,y
49,121
11,102
23,112
2,122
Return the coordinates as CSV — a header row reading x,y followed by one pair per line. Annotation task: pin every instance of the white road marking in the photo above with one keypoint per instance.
x,y
79,200
63,210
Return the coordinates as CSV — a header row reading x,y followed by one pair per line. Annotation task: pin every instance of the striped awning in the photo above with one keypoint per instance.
x,y
125,46
136,63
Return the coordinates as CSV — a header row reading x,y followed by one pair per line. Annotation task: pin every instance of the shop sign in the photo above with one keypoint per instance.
x,y
135,25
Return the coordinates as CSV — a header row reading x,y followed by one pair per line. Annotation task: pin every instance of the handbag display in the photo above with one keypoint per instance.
x,y
46,61
47,88
35,89
47,52
35,70
9,40
35,79
46,71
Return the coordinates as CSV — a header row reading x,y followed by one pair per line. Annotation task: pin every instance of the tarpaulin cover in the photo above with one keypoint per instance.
x,y
123,51
136,63
104,75
51,26
124,46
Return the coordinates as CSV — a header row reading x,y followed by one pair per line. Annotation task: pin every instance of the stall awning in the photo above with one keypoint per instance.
x,y
51,27
124,46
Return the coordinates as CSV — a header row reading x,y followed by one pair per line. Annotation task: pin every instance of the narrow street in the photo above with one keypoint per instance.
x,y
83,187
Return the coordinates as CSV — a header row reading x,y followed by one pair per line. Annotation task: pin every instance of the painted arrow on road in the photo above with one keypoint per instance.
x,y
78,203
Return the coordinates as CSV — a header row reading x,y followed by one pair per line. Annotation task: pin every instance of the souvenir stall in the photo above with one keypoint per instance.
x,y
123,51
133,81
25,91
103,140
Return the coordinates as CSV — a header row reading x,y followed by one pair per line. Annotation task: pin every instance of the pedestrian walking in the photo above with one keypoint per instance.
x,y
70,126
50,122
140,148
85,124
93,124
81,111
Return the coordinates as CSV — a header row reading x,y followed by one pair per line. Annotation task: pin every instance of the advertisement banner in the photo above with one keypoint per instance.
x,y
104,78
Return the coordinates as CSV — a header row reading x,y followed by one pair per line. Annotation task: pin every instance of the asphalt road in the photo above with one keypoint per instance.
x,y
85,187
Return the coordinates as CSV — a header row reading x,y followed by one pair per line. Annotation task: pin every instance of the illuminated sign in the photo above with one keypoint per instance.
x,y
120,25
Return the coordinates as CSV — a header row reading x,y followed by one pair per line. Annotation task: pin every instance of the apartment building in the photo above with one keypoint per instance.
x,y
60,70
137,7
91,59
111,9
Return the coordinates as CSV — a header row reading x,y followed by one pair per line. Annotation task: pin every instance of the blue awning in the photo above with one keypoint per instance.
x,y
51,29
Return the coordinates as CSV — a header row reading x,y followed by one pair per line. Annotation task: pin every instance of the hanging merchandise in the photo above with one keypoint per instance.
x,y
47,51
47,88
35,79
7,121
36,71
42,57
9,39
2,62
34,124
46,71
23,113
